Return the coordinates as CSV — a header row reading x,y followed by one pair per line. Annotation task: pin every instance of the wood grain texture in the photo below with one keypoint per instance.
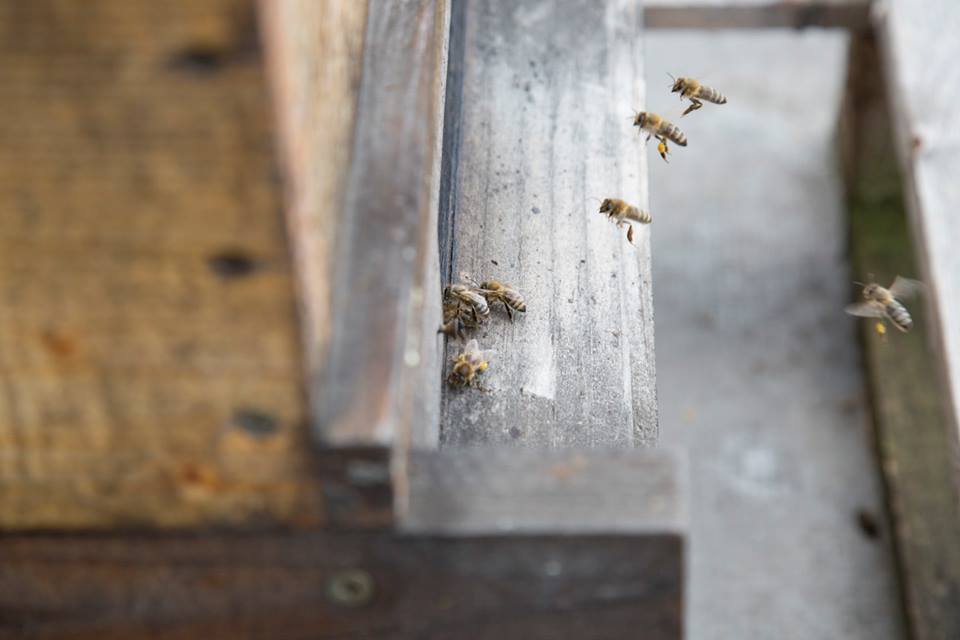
x,y
314,55
280,585
370,279
924,88
149,370
756,14
548,91
517,490
912,429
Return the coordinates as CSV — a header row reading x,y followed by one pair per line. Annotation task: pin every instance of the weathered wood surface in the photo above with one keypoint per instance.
x,y
912,430
370,279
544,134
487,490
148,349
285,585
753,14
920,61
314,57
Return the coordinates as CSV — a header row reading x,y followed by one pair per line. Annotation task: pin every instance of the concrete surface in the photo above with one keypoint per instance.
x,y
759,373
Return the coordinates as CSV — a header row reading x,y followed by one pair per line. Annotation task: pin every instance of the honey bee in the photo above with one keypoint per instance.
x,y
883,303
454,325
664,130
469,364
496,291
464,294
690,88
620,212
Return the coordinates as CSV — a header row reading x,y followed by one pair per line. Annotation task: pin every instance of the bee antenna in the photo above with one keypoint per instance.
x,y
671,76
859,283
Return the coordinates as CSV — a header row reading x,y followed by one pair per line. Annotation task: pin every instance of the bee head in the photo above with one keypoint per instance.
x,y
870,290
606,205
640,118
678,84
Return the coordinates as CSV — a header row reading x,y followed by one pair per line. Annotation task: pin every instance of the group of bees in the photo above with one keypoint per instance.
x,y
466,305
623,213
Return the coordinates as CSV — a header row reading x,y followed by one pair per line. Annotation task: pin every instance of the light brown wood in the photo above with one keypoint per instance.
x,y
149,369
314,53
363,218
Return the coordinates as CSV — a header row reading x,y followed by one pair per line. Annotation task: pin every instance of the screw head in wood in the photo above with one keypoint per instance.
x,y
350,588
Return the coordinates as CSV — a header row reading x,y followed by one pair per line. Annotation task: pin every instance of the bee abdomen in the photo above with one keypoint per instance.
x,y
899,316
712,95
639,215
516,301
673,133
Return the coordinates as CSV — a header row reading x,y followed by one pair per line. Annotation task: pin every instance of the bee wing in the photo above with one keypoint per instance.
x,y
483,356
906,288
472,346
864,310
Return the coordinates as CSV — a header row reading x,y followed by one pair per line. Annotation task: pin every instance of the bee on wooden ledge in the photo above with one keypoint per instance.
x,y
468,365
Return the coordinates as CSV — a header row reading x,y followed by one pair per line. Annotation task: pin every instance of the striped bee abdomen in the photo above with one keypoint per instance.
x,y
899,315
672,132
641,216
712,95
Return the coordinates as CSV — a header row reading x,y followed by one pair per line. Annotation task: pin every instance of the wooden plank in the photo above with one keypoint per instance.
x,y
517,490
358,585
148,352
756,14
541,132
922,80
913,431
373,380
314,56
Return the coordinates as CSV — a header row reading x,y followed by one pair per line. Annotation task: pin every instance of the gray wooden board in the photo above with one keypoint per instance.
x,y
545,133
486,490
279,585
377,384
921,52
745,14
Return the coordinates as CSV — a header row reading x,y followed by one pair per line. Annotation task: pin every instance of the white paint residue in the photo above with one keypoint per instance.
x,y
542,371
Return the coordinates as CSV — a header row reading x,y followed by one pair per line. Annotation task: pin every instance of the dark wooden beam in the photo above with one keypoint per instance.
x,y
756,14
347,585
913,434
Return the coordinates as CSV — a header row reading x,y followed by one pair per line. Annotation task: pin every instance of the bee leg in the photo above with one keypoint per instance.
x,y
663,149
509,311
694,105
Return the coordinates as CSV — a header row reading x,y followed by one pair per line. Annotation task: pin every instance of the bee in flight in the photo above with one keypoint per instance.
x,y
883,303
468,365
496,291
664,130
696,92
620,211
